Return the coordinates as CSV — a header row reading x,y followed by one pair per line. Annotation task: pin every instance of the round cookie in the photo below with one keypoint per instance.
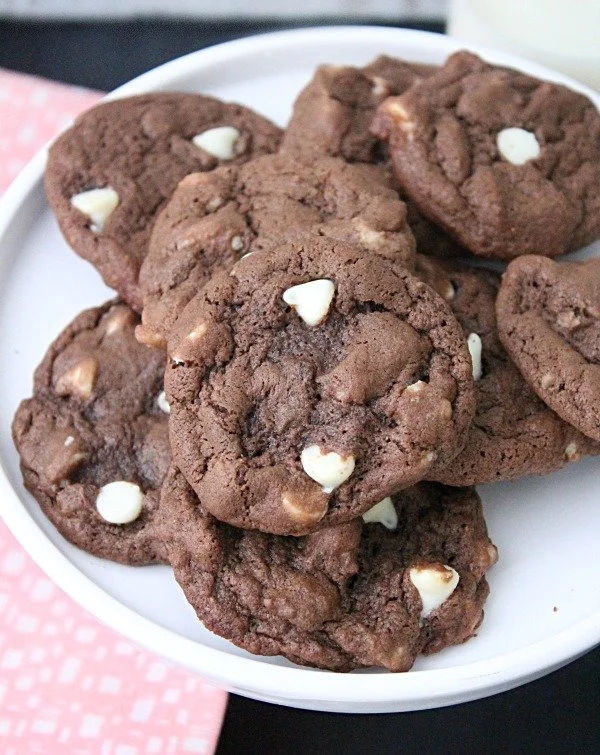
x,y
111,173
310,383
93,440
505,163
549,321
350,596
213,220
332,114
513,433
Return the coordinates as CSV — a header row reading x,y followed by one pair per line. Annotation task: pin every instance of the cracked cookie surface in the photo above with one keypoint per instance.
x,y
213,220
343,597
549,321
140,148
309,383
505,163
97,417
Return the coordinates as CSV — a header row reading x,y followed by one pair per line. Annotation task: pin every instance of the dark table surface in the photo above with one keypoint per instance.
x,y
557,714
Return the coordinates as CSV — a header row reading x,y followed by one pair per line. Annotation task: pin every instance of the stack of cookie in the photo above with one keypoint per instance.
x,y
304,375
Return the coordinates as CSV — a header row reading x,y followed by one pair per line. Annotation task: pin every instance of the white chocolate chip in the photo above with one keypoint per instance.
x,y
449,292
237,243
517,146
149,337
214,204
119,320
474,346
380,86
120,502
162,402
384,513
568,320
329,469
79,380
435,584
368,237
547,380
97,204
218,142
303,508
197,333
400,116
311,300
416,387
571,451
68,440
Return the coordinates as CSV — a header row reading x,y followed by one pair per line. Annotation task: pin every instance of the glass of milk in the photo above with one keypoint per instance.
x,y
560,34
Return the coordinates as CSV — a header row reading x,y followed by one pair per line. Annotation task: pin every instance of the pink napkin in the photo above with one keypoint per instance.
x,y
67,683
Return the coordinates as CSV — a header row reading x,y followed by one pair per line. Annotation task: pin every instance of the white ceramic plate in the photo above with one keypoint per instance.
x,y
544,607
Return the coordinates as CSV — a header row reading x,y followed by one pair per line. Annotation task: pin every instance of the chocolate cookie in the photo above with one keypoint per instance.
x,y
111,173
213,220
311,382
549,322
513,433
332,114
354,595
93,440
507,164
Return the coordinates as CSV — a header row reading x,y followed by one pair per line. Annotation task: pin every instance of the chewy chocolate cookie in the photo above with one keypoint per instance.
x,y
309,383
549,322
111,173
332,114
505,163
213,220
354,595
93,440
513,433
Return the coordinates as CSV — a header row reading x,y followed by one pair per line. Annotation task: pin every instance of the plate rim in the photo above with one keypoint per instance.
x,y
407,691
